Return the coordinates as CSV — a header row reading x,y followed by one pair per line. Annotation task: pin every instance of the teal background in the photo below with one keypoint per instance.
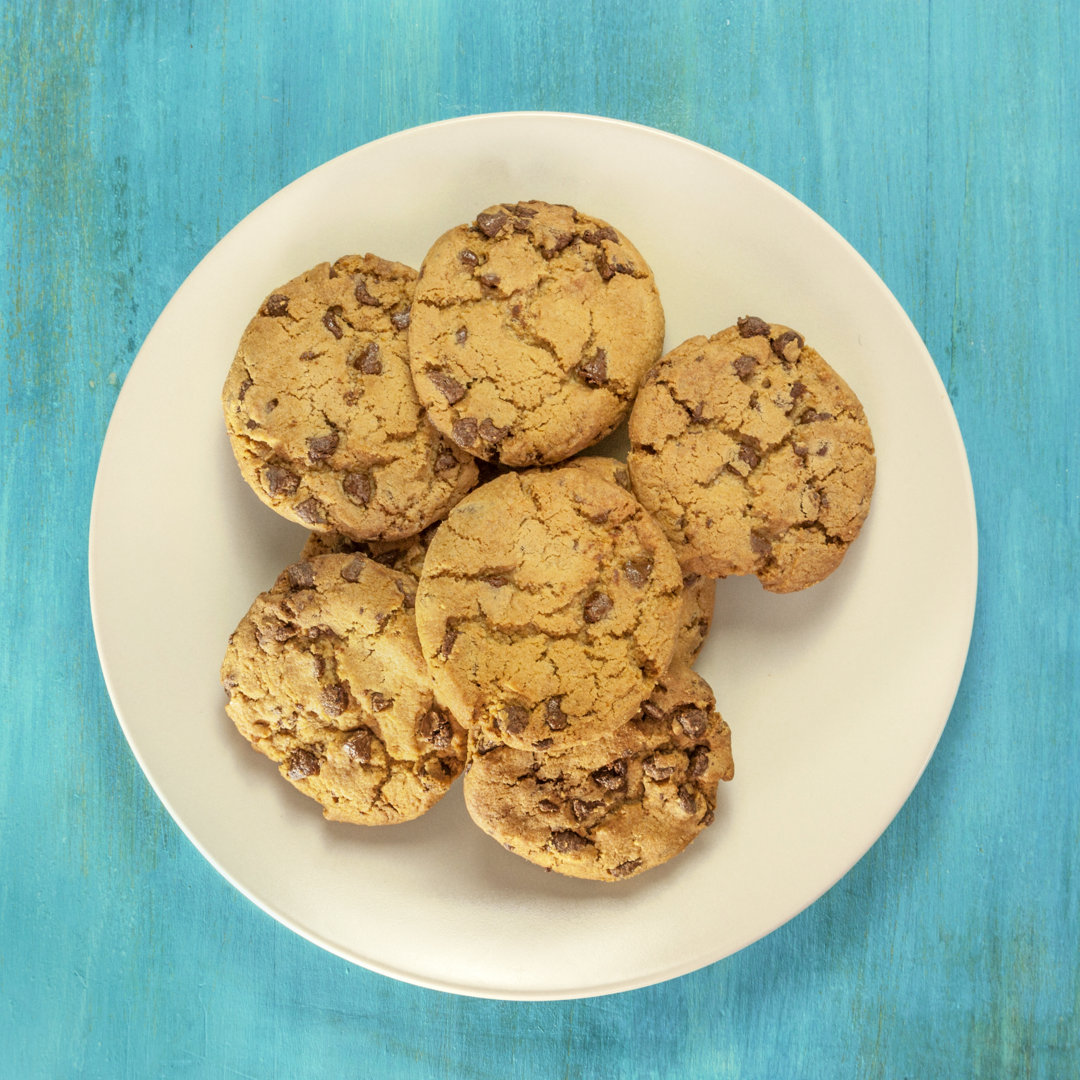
x,y
941,139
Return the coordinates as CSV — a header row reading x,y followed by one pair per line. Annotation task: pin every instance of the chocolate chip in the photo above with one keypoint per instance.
x,y
490,280
334,699
276,305
445,460
625,869
687,798
380,702
359,486
252,424
652,710
760,545
612,777
744,365
543,744
566,840
593,372
435,726
822,450
451,389
365,297
368,362
698,762
595,236
280,481
330,321
556,243
752,326
515,719
302,763
490,224
797,390
554,717
358,746
811,417
780,344
400,319
352,570
301,575
597,606
492,434
582,808
311,511
320,447
245,386
309,354
521,210
691,719
447,645
749,455
465,430
547,806
461,335
468,257
638,570
655,771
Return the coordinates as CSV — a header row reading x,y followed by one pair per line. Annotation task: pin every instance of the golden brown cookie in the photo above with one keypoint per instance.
x,y
531,330
324,675
754,455
614,807
406,556
321,410
547,607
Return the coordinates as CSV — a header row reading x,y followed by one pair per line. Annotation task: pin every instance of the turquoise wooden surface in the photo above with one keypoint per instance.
x,y
940,138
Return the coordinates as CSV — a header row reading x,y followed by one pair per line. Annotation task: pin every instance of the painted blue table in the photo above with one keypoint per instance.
x,y
940,139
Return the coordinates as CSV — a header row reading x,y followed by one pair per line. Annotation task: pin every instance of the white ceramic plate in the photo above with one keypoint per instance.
x,y
836,696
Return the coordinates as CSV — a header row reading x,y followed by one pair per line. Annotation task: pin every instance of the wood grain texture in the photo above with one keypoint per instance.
x,y
940,139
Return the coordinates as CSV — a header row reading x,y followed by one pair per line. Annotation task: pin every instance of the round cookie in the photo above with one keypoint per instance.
x,y
406,556
614,807
547,607
754,455
321,411
531,330
324,675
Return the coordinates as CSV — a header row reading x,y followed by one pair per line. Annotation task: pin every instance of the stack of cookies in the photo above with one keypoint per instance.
x,y
479,597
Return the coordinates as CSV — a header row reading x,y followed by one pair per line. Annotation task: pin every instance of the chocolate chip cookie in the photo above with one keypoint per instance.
x,y
321,410
754,456
613,807
547,607
531,329
406,556
324,676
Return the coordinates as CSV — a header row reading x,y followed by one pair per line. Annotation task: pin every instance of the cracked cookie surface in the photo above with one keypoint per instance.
x,y
754,456
324,675
322,414
614,807
699,591
531,330
547,607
